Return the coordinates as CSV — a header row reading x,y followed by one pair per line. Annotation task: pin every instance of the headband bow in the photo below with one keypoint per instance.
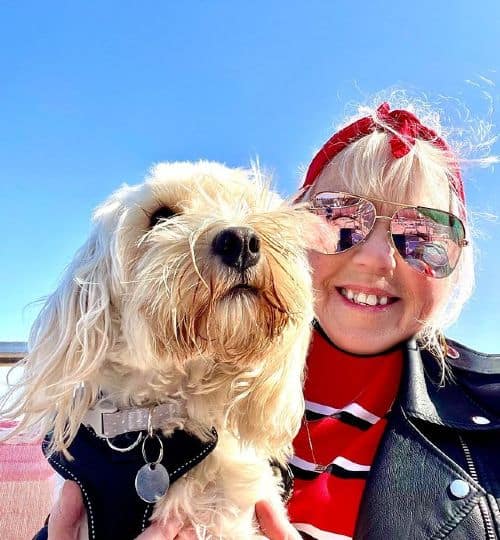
x,y
408,128
404,127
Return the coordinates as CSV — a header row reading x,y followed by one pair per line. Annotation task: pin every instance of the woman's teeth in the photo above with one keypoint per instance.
x,y
363,298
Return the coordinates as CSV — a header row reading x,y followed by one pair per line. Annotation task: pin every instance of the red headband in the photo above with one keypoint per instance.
x,y
404,123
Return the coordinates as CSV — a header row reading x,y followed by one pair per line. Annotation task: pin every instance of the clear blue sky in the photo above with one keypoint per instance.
x,y
92,93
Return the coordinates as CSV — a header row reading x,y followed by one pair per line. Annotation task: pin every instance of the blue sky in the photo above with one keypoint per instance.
x,y
92,93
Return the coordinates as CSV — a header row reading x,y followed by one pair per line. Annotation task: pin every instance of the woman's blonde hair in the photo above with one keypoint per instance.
x,y
367,167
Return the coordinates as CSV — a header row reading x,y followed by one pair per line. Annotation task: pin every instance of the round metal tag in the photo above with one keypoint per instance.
x,y
152,482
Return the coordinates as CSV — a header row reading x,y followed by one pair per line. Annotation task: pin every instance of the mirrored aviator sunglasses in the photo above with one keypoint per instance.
x,y
429,240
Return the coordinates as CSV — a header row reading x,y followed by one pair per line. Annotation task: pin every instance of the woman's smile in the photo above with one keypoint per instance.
x,y
366,297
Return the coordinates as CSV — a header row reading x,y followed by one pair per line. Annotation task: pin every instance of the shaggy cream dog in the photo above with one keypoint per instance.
x,y
192,291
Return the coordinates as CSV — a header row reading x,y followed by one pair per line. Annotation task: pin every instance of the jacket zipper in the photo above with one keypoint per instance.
x,y
483,504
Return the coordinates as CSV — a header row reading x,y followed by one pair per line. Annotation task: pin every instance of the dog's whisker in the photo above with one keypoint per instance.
x,y
192,245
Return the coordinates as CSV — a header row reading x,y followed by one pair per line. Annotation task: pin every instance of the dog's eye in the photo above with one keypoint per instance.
x,y
161,214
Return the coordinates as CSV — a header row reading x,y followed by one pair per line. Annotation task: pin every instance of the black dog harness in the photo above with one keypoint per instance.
x,y
108,478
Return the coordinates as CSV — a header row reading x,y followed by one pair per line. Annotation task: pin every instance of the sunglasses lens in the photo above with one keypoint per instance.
x,y
428,239
346,220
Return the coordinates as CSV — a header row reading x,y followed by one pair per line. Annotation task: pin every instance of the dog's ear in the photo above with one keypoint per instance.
x,y
70,339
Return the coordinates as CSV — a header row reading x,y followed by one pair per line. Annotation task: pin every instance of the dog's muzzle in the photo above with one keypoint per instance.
x,y
237,247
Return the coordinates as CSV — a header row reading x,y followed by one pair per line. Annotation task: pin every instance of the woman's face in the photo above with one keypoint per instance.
x,y
375,268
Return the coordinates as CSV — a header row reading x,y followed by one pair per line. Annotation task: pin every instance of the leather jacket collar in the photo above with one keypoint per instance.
x,y
422,397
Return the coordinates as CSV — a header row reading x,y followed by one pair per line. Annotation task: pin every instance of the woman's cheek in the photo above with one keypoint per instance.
x,y
323,268
431,296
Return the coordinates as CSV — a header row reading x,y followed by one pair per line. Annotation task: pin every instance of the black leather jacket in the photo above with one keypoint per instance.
x,y
437,470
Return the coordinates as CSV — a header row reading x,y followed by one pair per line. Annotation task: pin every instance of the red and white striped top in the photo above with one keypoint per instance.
x,y
347,399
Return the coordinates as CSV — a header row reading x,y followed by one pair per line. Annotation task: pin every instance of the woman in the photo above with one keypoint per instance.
x,y
410,433
401,436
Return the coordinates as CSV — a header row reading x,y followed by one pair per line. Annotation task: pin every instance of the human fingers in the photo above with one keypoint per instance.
x,y
67,514
187,534
273,524
168,531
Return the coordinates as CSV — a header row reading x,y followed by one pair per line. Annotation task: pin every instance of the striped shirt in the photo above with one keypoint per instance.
x,y
347,400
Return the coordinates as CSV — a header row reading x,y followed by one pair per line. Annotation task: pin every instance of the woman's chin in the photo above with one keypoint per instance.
x,y
356,340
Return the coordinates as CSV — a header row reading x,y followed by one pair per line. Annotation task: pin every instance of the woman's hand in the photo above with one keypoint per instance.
x,y
273,524
67,514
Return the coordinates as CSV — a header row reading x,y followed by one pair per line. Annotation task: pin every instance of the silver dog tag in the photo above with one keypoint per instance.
x,y
152,482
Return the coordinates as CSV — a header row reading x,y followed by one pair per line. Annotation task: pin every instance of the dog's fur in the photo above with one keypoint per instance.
x,y
148,314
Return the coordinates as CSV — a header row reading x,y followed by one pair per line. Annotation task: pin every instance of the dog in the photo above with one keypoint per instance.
x,y
186,315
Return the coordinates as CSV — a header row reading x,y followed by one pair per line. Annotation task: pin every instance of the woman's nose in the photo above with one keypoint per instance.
x,y
376,253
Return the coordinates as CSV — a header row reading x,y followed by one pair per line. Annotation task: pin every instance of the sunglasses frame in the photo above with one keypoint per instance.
x,y
463,242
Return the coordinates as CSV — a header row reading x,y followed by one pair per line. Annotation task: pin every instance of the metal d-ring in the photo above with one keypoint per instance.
x,y
160,455
128,448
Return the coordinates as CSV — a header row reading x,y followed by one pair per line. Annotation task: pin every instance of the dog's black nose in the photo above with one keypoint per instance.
x,y
238,247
